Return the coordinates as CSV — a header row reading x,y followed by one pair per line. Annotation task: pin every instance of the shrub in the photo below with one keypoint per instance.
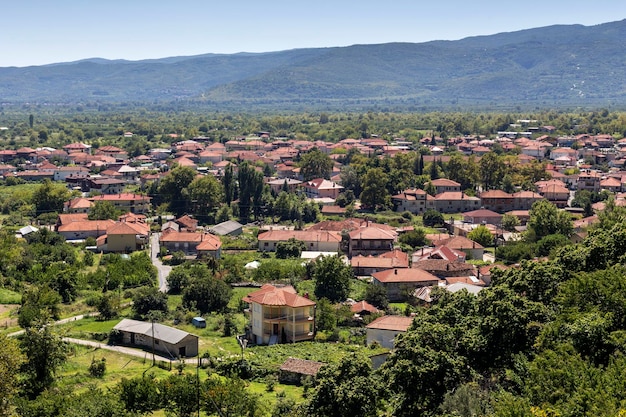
x,y
97,368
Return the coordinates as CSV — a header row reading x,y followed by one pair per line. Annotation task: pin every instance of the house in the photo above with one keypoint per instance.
x,y
455,202
279,184
361,308
320,188
83,229
168,341
443,184
589,181
413,200
384,330
103,185
279,315
611,184
401,282
367,265
77,205
497,200
555,194
124,237
314,240
443,268
126,202
187,223
370,241
482,216
191,243
472,249
293,370
63,173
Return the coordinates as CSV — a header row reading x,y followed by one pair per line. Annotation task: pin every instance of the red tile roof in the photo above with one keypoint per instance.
x,y
395,323
270,295
404,275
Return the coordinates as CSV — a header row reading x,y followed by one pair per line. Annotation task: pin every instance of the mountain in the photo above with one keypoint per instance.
x,y
563,65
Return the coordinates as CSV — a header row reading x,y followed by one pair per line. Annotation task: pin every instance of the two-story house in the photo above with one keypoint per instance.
x,y
279,315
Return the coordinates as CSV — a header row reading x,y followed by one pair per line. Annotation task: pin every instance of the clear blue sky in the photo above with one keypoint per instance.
x,y
36,32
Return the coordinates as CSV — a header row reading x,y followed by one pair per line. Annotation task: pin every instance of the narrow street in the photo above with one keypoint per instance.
x,y
163,270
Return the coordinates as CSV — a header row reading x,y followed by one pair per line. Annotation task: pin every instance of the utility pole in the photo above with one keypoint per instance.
x,y
153,361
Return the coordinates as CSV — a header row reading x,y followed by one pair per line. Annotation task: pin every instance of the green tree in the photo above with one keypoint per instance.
x,y
180,395
148,299
546,219
376,295
375,194
291,248
10,361
348,388
481,235
229,184
45,351
415,238
332,279
207,295
492,170
205,194
103,210
325,315
39,303
315,164
172,188
250,191
139,394
510,222
432,218
223,396
49,197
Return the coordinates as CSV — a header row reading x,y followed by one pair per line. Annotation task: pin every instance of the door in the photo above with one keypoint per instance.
x,y
275,328
132,338
182,351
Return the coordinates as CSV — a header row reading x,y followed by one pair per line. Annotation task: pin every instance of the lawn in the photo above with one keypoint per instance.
x,y
9,297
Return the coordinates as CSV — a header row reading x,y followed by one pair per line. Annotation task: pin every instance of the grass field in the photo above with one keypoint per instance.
x,y
9,297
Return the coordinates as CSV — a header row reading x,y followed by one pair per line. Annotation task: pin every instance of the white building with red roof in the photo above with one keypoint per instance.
x,y
279,315
400,282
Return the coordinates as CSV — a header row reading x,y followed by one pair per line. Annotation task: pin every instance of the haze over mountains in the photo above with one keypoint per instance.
x,y
555,66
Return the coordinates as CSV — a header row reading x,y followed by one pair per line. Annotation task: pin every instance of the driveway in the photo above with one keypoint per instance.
x,y
163,270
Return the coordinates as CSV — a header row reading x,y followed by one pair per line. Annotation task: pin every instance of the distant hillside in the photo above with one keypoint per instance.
x,y
570,65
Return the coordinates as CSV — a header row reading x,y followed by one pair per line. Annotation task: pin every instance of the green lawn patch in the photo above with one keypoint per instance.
x,y
9,297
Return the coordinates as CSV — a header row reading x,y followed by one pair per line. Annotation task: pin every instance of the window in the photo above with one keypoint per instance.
x,y
266,244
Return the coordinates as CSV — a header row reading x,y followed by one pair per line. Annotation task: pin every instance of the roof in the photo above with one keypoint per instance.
x,y
304,235
443,265
360,306
459,286
209,243
482,213
372,233
226,227
404,275
301,366
273,296
445,182
160,331
124,228
65,218
322,184
458,242
395,323
86,225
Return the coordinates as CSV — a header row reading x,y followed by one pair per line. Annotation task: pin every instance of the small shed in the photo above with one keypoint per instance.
x,y
293,370
167,341
198,322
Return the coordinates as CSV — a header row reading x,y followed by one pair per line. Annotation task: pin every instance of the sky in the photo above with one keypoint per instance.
x,y
38,32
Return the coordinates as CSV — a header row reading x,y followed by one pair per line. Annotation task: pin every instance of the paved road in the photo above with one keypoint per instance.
x,y
139,353
164,270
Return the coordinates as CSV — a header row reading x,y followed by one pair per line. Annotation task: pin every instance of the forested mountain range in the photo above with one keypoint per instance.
x,y
555,66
